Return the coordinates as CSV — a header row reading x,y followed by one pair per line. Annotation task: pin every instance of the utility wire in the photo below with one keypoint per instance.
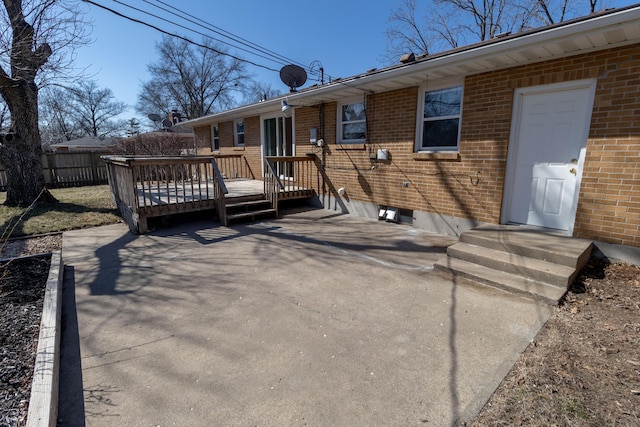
x,y
138,21
224,33
194,31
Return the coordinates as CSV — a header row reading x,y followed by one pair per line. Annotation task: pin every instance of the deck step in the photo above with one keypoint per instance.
x,y
528,261
247,204
248,207
251,214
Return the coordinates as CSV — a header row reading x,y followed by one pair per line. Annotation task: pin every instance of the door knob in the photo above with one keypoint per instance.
x,y
573,171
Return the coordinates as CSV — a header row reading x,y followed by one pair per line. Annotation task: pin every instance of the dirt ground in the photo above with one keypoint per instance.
x,y
583,368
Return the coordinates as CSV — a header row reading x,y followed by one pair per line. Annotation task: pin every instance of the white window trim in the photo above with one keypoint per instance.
x,y
235,133
213,143
420,116
340,137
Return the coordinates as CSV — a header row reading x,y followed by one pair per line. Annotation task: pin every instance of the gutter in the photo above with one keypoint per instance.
x,y
564,31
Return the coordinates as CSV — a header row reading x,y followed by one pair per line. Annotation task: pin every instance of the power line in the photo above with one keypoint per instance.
x,y
283,59
191,29
256,49
138,21
224,33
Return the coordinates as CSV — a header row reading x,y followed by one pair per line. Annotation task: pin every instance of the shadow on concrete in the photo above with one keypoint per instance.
x,y
70,397
110,266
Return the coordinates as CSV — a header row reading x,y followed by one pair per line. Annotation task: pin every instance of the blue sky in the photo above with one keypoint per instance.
x,y
346,36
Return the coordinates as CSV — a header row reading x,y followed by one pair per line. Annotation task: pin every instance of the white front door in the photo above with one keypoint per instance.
x,y
546,154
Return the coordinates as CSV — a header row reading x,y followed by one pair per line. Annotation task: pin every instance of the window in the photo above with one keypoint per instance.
x,y
238,132
439,126
352,122
215,138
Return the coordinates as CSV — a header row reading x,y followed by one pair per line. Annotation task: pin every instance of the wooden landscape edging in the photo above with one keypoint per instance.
x,y
43,402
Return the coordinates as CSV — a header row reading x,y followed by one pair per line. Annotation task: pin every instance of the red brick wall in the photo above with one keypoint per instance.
x,y
609,202
251,149
470,185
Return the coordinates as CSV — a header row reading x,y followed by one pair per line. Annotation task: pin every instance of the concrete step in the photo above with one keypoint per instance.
x,y
531,242
522,259
454,268
532,268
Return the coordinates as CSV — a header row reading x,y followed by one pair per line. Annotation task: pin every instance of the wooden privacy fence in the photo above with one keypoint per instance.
x,y
68,170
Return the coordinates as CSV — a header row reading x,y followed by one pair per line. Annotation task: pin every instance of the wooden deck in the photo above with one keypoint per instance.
x,y
169,193
159,186
188,192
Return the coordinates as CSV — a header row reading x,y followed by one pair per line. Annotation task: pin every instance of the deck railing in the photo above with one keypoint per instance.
x,y
219,189
295,176
145,187
233,166
272,184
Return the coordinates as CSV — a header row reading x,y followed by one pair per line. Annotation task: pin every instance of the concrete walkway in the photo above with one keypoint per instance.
x,y
315,319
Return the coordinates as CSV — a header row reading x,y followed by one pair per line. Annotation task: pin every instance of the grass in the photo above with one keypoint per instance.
x,y
78,207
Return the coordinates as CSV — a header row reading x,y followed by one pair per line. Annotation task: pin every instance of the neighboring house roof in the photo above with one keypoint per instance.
x,y
86,143
598,31
175,129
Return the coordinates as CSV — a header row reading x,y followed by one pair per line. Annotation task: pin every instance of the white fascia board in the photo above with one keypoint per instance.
x,y
482,52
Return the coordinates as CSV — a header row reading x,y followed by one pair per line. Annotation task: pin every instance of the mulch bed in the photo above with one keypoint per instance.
x,y
22,288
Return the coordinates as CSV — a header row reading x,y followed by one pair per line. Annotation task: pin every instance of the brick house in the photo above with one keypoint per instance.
x,y
539,128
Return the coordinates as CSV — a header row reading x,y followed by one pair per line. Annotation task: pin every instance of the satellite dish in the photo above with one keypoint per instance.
x,y
154,117
293,76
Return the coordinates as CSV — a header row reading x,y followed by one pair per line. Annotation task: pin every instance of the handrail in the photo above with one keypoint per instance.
x,y
271,172
220,189
272,185
218,176
290,158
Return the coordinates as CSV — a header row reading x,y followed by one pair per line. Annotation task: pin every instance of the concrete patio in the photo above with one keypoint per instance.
x,y
315,319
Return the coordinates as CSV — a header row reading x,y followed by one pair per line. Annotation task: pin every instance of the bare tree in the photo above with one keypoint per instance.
x,y
259,91
406,33
4,117
550,12
68,113
56,125
451,23
37,41
133,127
195,79
95,110
158,144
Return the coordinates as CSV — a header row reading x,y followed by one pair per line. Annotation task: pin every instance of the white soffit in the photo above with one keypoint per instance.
x,y
608,29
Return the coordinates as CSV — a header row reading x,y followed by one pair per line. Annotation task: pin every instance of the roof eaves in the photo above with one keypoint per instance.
x,y
442,59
